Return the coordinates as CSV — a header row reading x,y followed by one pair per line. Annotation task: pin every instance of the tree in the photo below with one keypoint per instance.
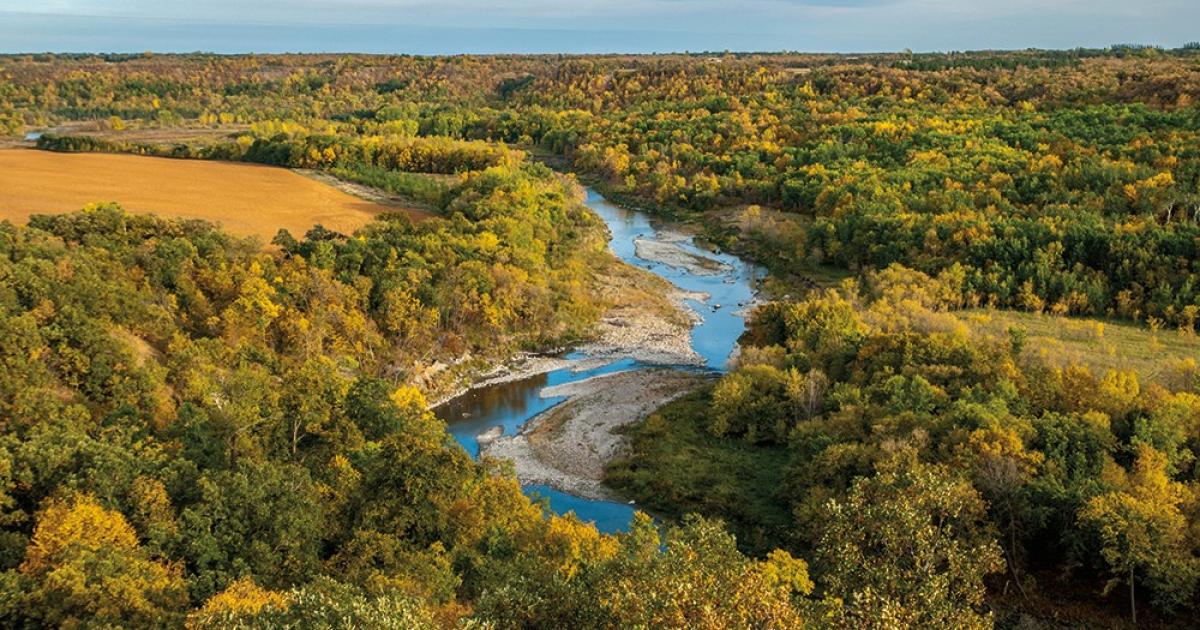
x,y
85,567
242,598
694,577
749,402
1144,535
261,518
312,414
322,604
1002,468
908,547
684,576
805,392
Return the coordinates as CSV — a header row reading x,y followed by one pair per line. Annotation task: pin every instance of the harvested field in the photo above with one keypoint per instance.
x,y
245,199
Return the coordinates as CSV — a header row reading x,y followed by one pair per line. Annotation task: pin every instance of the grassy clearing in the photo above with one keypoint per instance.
x,y
1099,344
245,199
192,136
426,189
675,466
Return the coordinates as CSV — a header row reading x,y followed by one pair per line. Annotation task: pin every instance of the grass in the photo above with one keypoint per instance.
x,y
245,199
1099,344
422,188
674,466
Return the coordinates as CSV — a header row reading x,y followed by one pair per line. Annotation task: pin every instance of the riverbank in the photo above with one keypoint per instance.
x,y
560,429
647,320
568,446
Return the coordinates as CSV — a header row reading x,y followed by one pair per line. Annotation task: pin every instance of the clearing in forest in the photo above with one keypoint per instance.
x,y
1101,345
245,199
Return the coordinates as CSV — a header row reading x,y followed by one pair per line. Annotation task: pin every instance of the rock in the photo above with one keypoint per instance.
x,y
568,446
488,436
674,255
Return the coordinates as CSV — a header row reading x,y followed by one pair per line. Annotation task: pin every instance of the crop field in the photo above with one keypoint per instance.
x,y
245,199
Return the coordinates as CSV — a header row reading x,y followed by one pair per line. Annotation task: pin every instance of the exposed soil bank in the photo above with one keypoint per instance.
x,y
647,320
568,447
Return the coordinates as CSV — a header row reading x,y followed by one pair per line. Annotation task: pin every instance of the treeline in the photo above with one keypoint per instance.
x,y
1073,190
299,149
909,452
1069,189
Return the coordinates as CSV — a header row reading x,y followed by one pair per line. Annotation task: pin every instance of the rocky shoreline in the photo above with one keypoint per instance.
x,y
630,332
568,446
670,253
647,320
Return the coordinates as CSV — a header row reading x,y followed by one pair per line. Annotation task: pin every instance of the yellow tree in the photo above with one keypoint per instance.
x,y
241,598
1144,534
86,567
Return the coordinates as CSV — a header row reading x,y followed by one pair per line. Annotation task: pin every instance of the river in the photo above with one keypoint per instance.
x,y
511,404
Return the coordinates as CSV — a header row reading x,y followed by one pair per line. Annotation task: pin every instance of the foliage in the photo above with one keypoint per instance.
x,y
929,460
197,432
84,566
673,455
907,548
1143,531
248,431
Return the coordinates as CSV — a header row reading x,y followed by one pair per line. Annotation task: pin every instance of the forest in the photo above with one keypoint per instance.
x,y
198,430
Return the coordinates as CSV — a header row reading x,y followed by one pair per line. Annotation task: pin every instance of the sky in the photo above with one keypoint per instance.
x,y
587,26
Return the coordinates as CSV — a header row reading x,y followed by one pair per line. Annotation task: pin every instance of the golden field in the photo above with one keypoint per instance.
x,y
245,199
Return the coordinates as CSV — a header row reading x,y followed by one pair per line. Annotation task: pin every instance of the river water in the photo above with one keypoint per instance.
x,y
510,405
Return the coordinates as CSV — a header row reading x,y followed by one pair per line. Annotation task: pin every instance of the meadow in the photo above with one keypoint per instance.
x,y
1099,344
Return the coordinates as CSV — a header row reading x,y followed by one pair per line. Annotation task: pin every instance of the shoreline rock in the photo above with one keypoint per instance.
x,y
568,446
488,436
670,253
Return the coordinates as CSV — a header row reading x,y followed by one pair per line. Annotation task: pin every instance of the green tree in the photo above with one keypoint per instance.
x,y
908,547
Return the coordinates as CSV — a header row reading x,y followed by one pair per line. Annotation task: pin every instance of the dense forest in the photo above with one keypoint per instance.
x,y
201,431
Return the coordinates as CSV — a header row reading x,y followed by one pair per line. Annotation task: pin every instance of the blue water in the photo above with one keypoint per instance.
x,y
715,338
510,405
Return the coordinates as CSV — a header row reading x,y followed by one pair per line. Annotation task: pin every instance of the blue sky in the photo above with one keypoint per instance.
x,y
483,26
